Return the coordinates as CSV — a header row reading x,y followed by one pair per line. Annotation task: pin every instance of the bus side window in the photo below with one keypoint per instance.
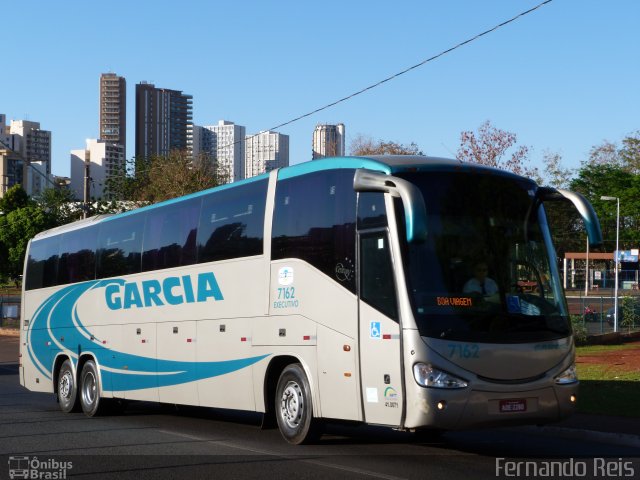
x,y
119,246
232,223
377,287
170,236
77,256
371,210
315,220
42,265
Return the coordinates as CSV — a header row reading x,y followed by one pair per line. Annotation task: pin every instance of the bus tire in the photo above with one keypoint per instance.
x,y
90,389
294,406
67,391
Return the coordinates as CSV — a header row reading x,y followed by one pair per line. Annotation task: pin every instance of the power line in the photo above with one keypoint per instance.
x,y
396,75
413,67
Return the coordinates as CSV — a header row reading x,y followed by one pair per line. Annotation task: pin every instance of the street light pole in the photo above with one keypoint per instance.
x,y
615,259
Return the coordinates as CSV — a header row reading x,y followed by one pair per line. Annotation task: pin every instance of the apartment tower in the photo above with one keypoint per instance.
x,y
328,141
113,109
164,121
98,162
225,142
266,151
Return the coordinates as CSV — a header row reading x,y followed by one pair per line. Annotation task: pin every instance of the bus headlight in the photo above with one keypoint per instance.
x,y
429,376
568,376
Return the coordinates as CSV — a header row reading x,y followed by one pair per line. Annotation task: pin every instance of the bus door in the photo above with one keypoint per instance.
x,y
380,352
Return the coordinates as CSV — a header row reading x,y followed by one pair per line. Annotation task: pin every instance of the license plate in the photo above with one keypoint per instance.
x,y
513,406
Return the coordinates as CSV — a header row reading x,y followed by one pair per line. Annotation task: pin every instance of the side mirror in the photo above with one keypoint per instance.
x,y
415,211
584,207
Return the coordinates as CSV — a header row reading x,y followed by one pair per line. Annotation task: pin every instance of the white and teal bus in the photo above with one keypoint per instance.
x,y
412,292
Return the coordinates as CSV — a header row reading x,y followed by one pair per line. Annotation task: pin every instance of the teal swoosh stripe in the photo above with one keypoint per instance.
x,y
56,314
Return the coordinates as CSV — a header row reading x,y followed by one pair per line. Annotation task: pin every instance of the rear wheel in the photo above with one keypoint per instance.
x,y
90,389
67,388
294,406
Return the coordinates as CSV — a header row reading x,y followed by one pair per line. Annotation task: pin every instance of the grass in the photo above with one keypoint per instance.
x,y
606,388
10,290
595,349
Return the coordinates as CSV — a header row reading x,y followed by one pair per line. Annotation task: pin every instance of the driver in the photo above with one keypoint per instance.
x,y
480,283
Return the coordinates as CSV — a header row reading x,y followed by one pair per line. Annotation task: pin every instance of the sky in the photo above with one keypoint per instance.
x,y
563,78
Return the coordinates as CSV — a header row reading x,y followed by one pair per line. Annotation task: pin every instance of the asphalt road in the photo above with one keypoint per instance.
x,y
153,441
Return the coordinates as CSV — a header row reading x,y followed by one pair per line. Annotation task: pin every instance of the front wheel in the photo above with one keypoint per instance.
x,y
67,388
90,389
294,406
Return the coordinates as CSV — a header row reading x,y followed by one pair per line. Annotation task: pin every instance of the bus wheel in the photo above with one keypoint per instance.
x,y
90,389
67,388
294,407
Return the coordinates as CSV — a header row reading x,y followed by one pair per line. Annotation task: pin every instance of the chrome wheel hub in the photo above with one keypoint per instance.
x,y
64,386
292,405
89,388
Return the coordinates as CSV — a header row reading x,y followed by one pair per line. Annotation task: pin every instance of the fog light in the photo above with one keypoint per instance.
x,y
573,398
441,405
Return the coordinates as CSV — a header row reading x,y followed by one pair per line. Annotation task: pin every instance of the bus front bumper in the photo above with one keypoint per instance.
x,y
462,409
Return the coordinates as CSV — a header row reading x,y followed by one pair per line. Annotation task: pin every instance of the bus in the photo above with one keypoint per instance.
x,y
405,291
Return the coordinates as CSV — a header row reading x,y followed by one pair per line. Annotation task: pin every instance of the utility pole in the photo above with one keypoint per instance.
x,y
87,184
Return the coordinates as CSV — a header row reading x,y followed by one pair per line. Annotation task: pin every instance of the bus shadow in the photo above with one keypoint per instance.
x,y
8,368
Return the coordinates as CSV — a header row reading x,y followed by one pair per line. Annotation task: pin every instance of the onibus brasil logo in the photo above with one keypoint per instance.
x,y
28,467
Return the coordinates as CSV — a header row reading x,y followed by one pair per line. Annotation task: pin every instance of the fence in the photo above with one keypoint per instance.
x,y
596,310
600,278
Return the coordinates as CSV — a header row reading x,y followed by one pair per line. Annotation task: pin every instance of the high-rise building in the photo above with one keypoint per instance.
x,y
34,144
164,121
12,169
104,159
225,142
5,135
266,151
113,109
198,137
328,141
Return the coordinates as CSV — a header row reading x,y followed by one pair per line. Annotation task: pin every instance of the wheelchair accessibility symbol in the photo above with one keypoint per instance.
x,y
374,330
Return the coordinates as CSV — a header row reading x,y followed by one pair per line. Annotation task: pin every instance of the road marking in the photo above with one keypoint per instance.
x,y
334,466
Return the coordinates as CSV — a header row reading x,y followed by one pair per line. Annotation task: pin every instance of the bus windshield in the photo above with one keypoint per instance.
x,y
486,271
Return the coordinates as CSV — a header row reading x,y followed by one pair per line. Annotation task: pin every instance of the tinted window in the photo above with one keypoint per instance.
x,y
377,287
371,210
170,236
486,271
77,256
314,220
42,265
119,246
232,223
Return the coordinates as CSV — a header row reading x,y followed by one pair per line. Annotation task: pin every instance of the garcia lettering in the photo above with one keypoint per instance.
x,y
170,291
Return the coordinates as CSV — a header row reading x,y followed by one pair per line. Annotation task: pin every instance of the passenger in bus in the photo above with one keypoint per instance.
x,y
481,283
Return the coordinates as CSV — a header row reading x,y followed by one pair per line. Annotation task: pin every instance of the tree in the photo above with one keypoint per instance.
x,y
629,316
604,154
13,199
491,146
627,156
364,145
630,153
59,204
555,174
159,178
16,229
596,180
